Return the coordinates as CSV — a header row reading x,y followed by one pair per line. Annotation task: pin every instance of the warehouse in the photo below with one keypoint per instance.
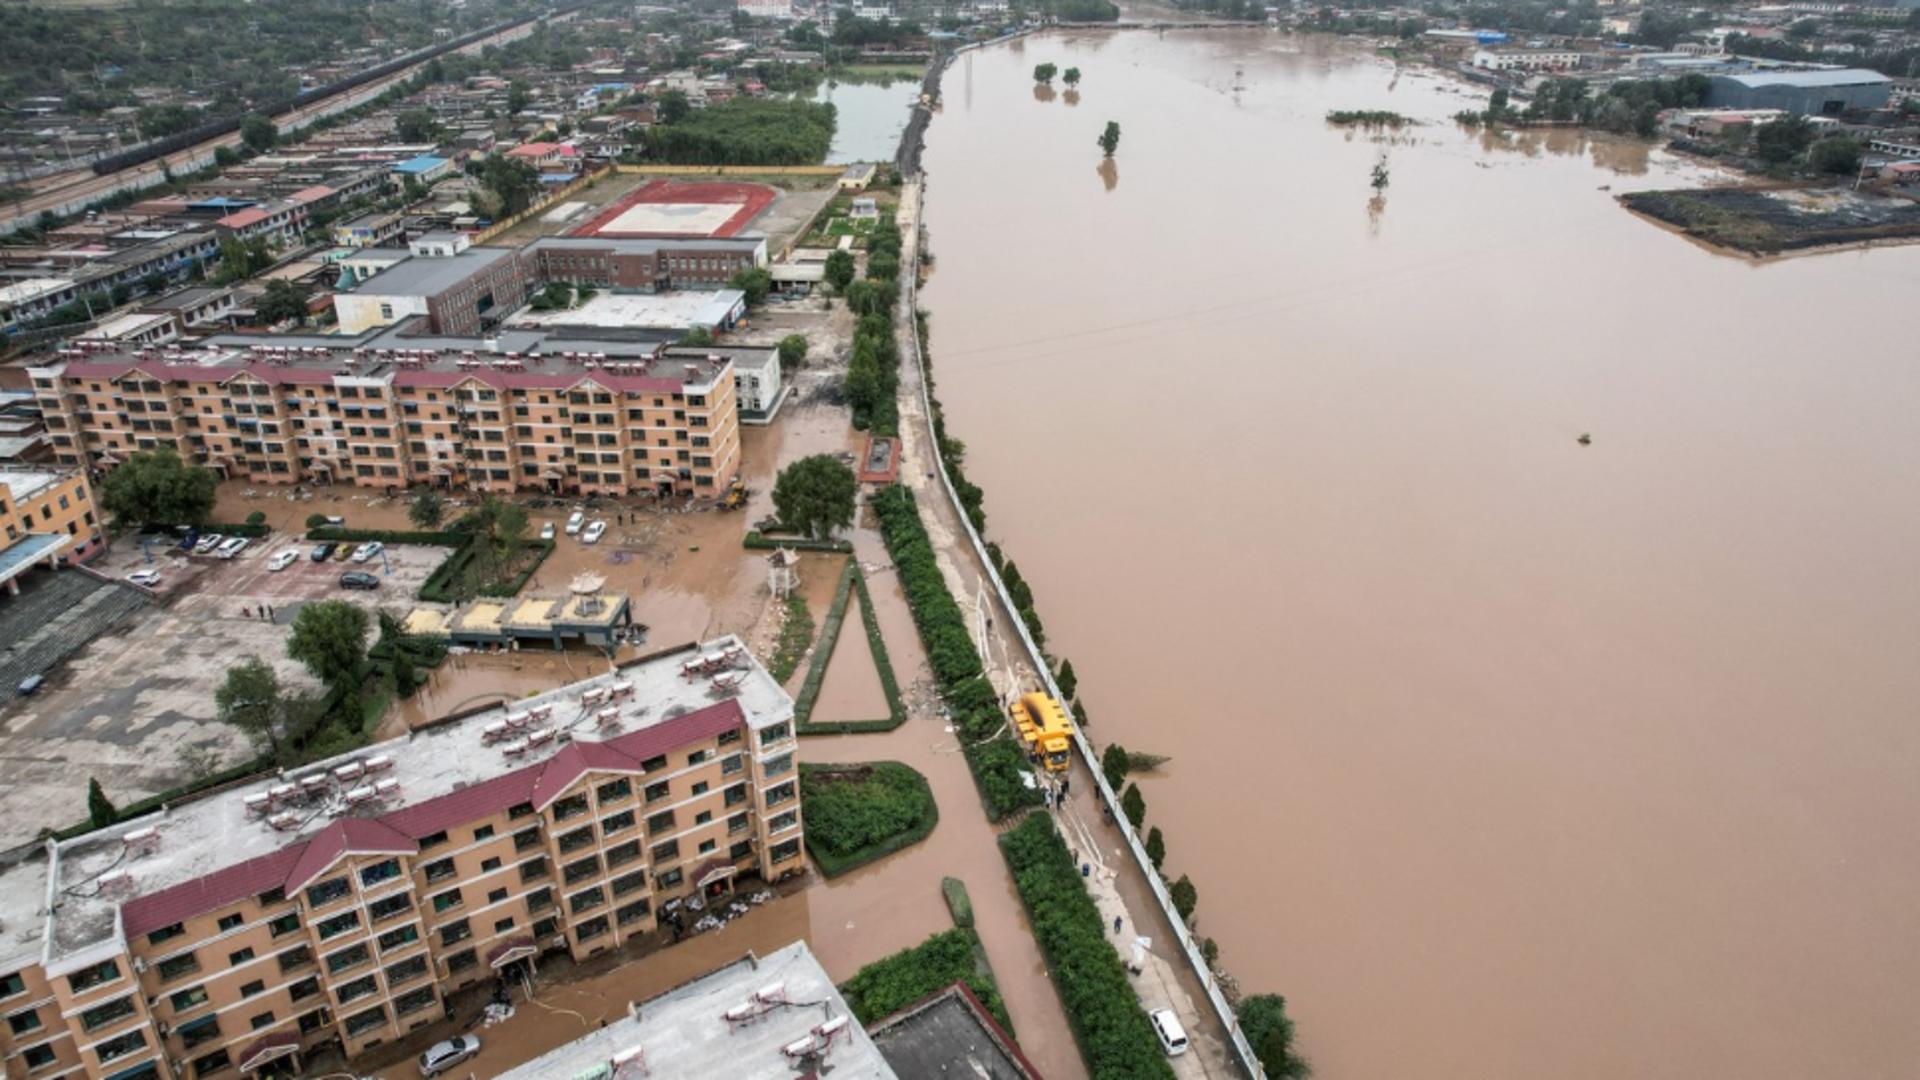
x,y
1807,93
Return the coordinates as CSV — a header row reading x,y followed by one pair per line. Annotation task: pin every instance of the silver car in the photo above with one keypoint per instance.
x,y
447,1053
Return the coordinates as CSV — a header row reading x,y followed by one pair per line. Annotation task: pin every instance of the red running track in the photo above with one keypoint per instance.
x,y
750,198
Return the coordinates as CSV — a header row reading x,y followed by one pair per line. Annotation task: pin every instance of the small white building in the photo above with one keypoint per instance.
x,y
1525,59
758,388
135,330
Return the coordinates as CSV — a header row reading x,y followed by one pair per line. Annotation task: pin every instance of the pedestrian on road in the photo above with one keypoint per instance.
x,y
1064,781
246,613
1116,924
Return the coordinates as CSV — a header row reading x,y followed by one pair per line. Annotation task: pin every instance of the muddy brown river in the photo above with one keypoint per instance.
x,y
1500,755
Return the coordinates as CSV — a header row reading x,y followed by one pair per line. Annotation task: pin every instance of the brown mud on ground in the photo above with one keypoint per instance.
x,y
851,689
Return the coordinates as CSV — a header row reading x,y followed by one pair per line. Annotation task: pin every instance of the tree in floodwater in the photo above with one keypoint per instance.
x,y
1110,138
1071,76
1380,174
1044,73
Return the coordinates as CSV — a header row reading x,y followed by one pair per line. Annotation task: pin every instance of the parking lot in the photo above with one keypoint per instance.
x,y
135,707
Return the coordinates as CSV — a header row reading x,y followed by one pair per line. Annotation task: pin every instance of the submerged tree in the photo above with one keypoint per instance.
x,y
1044,73
1380,174
815,495
1071,76
1110,138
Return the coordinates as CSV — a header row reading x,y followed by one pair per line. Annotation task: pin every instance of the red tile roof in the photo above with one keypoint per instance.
x,y
243,219
145,914
348,836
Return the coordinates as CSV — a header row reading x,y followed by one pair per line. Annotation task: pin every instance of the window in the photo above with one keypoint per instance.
x,y
166,933
571,806
195,1032
454,933
356,989
484,832
700,788
623,853
582,869
23,1022
656,792
496,896
666,852
304,989
231,921
668,880
87,978
327,892
338,924
361,1023
592,928
783,821
39,1057
740,850
733,764
785,849
533,869
629,882
175,966
653,764
311,1022
439,870
347,959
447,901
613,791
539,899
257,986
575,840
121,1045
519,810
414,1000
526,838
586,900
388,907
461,961
736,794
295,958
261,1020
501,926
779,766
708,845
212,1063
240,956
407,970
633,912
12,984
282,925
488,866
397,937
778,795
379,872
703,817
772,733
660,822
616,823
729,737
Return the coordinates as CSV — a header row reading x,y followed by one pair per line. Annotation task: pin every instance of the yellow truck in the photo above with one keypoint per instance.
x,y
1044,726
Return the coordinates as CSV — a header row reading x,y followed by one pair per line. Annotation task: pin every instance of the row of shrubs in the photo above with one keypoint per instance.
x,y
857,814
440,585
1114,1035
873,370
888,985
999,765
851,578
757,541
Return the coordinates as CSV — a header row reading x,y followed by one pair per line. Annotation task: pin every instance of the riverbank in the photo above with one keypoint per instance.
x,y
1776,221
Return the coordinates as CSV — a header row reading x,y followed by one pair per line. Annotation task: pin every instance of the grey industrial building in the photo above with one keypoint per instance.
x,y
1806,92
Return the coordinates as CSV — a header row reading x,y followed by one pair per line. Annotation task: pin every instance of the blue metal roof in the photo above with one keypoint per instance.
x,y
28,550
423,163
220,202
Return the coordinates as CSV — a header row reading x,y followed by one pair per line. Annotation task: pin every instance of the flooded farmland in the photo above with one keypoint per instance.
x,y
1499,754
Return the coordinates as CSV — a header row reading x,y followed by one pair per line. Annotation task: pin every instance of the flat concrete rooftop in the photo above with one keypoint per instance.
x,y
199,838
685,1033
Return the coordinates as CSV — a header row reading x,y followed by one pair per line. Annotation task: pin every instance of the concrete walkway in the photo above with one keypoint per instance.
x,y
1117,884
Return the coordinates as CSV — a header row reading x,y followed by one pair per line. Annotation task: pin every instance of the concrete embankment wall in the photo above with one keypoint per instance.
x,y
908,159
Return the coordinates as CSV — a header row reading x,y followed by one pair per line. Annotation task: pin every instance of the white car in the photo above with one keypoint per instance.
x,y
1173,1037
594,532
146,578
575,520
232,547
546,531
447,1053
368,550
207,543
282,561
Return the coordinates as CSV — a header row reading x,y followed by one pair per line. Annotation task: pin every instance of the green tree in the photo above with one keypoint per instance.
x,y
100,810
1838,154
282,301
512,181
154,487
1066,678
840,270
426,509
1134,805
258,133
756,283
1110,138
1044,73
330,637
793,350
517,96
1780,141
1497,106
673,107
502,528
417,126
1185,897
316,521
1156,846
249,699
1071,76
815,495
1264,1021
153,283
697,338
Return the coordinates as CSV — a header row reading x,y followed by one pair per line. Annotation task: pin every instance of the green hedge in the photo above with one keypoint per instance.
x,y
252,532
877,645
998,762
890,984
758,542
438,587
959,904
1115,1037
388,536
853,820
851,577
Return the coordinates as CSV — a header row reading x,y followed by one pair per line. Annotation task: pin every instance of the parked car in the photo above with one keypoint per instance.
x,y
368,550
282,561
147,578
358,579
594,532
1173,1037
575,520
324,550
208,543
546,531
444,1055
30,684
343,552
233,546
335,521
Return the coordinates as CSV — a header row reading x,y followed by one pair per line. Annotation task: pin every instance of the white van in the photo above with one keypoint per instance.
x,y
1173,1037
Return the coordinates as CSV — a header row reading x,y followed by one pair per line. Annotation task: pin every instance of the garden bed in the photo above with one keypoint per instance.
x,y
888,985
851,579
857,814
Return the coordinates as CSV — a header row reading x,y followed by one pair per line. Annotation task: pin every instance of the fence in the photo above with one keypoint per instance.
x,y
731,170
554,196
1243,1049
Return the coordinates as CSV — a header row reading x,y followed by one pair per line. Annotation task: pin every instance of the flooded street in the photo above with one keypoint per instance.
x,y
1498,754
868,116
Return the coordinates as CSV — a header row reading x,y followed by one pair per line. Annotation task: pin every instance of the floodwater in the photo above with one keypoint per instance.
x,y
1498,754
851,689
869,117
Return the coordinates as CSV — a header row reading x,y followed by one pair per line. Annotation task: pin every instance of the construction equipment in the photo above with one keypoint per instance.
x,y
1044,727
736,496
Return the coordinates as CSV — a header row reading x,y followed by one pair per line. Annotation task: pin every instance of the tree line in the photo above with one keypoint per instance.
x,y
743,131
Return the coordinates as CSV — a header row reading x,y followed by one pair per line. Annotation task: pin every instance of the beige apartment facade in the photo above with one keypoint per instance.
x,y
49,511
237,935
571,426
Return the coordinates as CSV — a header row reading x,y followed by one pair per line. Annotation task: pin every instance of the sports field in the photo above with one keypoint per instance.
x,y
680,209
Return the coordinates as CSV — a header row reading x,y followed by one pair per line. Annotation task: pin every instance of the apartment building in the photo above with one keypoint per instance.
x,y
643,264
342,903
460,289
45,513
560,422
